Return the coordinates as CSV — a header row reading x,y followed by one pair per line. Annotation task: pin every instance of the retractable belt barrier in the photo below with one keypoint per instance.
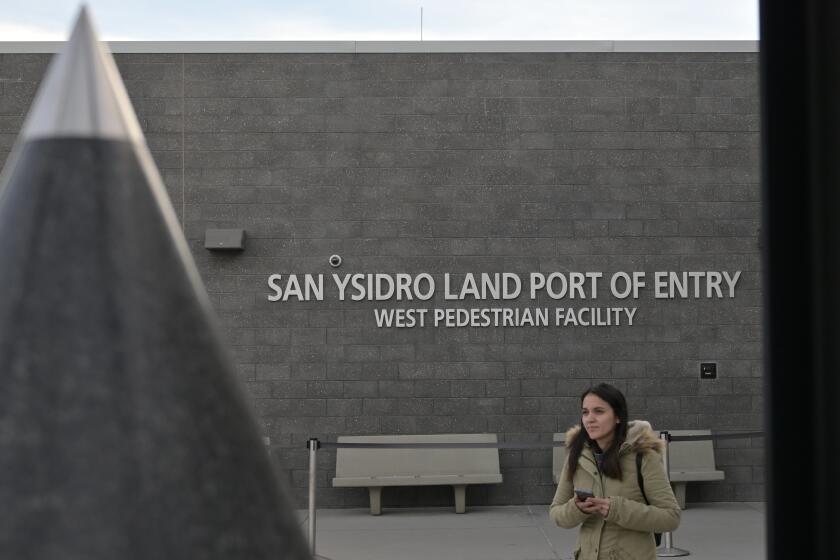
x,y
507,444
313,445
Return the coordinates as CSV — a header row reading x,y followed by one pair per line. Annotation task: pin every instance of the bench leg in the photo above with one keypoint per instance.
x,y
679,492
460,498
375,500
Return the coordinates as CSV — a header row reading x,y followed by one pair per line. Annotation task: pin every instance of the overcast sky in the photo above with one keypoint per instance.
x,y
278,20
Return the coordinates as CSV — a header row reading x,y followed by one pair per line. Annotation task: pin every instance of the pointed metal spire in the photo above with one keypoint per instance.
x,y
123,432
82,94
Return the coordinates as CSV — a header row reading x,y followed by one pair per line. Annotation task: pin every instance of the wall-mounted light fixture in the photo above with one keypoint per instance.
x,y
224,239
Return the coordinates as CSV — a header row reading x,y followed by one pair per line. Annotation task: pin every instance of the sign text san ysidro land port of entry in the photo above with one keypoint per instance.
x,y
504,286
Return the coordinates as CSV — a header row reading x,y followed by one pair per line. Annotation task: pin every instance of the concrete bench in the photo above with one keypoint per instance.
x,y
690,461
377,468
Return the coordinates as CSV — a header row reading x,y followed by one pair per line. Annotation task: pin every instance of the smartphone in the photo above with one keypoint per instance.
x,y
583,494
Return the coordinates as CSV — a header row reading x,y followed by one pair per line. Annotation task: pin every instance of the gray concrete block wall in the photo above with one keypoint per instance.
x,y
472,162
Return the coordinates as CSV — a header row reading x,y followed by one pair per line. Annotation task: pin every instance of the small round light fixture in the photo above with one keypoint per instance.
x,y
335,261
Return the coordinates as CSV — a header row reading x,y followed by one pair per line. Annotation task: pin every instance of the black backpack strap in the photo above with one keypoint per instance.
x,y
640,478
657,537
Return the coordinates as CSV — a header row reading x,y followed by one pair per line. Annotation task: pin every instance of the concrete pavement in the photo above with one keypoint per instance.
x,y
709,531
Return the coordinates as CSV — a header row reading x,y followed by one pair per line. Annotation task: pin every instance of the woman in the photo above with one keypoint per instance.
x,y
616,524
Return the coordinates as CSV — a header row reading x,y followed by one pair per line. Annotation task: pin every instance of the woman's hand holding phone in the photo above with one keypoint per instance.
x,y
580,499
588,503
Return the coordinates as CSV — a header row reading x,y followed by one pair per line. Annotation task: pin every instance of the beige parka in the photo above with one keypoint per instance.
x,y
627,531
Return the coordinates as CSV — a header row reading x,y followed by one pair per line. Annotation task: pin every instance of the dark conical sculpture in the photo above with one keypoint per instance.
x,y
123,433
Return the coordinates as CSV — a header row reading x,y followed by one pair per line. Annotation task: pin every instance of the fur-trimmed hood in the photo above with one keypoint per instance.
x,y
640,437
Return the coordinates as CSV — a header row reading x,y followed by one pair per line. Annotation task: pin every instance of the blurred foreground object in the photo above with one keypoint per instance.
x,y
800,99
123,433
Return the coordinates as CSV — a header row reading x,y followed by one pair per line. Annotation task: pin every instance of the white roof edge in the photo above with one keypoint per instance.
x,y
177,47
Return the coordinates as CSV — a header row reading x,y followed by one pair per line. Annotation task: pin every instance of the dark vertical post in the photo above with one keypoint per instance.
x,y
800,81
668,550
313,444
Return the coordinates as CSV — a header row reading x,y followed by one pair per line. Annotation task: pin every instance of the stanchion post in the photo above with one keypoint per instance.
x,y
313,444
668,550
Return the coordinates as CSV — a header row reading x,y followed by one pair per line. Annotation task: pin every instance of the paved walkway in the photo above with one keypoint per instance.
x,y
718,531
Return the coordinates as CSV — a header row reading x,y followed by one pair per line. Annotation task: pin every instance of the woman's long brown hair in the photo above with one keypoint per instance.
x,y
611,466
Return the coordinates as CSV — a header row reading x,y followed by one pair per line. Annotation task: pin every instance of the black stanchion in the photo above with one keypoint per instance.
x,y
668,550
312,445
